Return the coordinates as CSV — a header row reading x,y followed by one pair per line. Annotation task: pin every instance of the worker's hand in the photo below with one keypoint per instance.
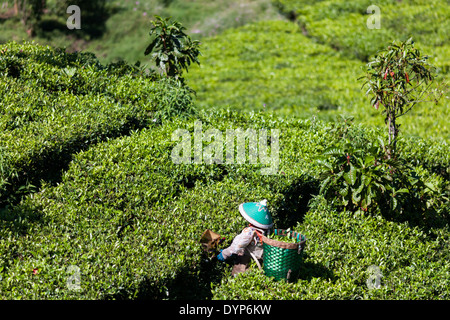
x,y
220,256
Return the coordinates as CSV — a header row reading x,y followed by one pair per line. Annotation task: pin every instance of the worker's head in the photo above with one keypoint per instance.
x,y
257,214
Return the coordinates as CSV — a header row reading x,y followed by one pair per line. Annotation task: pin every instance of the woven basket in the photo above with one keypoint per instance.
x,y
281,259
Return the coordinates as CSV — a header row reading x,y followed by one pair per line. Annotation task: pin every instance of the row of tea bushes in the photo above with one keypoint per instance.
x,y
127,220
355,257
128,217
274,66
359,29
114,216
54,104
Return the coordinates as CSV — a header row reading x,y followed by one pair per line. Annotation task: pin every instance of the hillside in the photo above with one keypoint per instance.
x,y
289,56
121,207
95,203
125,24
310,68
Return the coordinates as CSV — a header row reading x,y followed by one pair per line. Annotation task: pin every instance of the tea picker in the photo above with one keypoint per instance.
x,y
280,258
248,244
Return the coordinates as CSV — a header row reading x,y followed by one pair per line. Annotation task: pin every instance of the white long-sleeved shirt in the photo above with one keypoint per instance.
x,y
249,240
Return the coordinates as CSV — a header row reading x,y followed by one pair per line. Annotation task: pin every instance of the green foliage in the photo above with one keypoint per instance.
x,y
241,67
337,25
340,250
121,211
282,238
130,219
357,174
398,78
123,208
273,66
173,50
343,25
55,104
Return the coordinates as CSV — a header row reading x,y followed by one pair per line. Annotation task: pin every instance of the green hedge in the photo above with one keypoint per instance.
x,y
130,219
274,66
55,104
342,249
121,212
342,24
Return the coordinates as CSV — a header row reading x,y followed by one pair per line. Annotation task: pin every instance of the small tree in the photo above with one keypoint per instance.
x,y
173,50
397,79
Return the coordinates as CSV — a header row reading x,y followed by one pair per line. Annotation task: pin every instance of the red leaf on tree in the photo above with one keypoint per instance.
x,y
377,104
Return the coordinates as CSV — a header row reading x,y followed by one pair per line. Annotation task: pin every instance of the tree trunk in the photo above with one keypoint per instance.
x,y
392,134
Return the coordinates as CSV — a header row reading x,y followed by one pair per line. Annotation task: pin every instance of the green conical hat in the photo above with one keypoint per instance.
x,y
257,214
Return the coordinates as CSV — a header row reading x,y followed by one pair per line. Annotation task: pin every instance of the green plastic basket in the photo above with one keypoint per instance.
x,y
281,259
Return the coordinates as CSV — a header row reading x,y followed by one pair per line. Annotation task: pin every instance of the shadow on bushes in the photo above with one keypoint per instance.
x,y
189,284
47,27
19,219
309,270
196,284
294,204
417,214
51,165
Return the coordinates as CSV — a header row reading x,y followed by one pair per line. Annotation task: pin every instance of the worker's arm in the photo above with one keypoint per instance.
x,y
240,242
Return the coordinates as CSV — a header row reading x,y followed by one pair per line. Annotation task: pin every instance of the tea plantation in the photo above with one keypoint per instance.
x,y
93,206
278,66
55,104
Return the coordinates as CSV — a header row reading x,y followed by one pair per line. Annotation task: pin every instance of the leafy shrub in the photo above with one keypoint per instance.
x,y
342,24
357,174
431,154
340,251
122,209
240,67
55,104
173,50
274,67
398,78
130,220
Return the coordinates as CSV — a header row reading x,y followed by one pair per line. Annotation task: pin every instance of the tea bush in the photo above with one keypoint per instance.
x,y
130,219
341,248
240,66
55,104
361,177
121,211
343,25
123,221
310,68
